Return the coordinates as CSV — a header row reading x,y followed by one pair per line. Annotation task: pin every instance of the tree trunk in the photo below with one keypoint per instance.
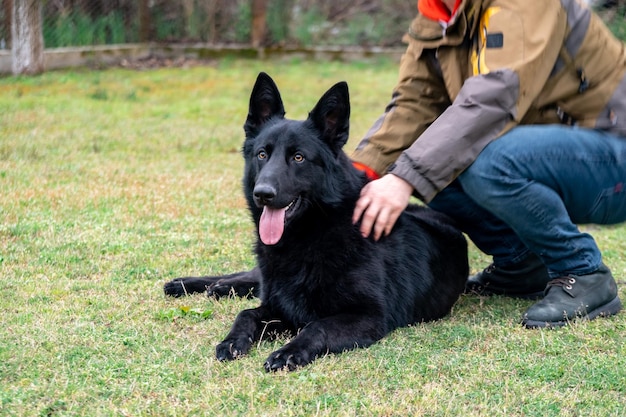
x,y
27,37
212,9
145,21
259,22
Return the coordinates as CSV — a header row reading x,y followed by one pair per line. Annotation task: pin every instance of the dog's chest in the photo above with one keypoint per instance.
x,y
303,297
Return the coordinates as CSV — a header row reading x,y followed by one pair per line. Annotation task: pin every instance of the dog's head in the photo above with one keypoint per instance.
x,y
293,165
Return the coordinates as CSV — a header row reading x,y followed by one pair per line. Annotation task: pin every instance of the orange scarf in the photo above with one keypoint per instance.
x,y
436,10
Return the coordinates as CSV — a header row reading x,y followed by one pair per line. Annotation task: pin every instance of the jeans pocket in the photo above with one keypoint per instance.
x,y
609,207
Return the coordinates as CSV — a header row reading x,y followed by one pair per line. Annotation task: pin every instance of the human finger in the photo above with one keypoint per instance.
x,y
368,220
359,209
381,223
391,221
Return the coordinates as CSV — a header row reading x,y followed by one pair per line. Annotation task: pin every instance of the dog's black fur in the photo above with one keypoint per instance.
x,y
319,278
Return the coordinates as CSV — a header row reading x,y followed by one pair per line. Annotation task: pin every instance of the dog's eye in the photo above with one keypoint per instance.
x,y
262,154
298,157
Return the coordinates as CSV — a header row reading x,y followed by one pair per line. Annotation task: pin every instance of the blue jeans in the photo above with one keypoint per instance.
x,y
527,191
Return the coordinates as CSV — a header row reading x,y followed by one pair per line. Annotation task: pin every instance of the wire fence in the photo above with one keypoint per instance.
x,y
293,22
288,22
5,24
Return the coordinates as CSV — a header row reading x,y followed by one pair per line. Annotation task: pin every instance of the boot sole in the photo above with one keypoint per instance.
x,y
609,309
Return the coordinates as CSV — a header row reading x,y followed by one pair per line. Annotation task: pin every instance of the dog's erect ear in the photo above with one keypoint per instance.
x,y
265,103
331,115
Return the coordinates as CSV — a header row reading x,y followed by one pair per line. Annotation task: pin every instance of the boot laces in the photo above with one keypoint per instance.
x,y
566,282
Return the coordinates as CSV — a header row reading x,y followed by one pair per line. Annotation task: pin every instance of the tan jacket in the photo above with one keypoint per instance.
x,y
498,64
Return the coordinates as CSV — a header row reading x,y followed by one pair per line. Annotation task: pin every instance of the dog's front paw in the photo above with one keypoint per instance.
x,y
175,288
220,289
287,358
232,348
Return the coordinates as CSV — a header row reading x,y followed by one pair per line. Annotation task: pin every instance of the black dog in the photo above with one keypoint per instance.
x,y
319,278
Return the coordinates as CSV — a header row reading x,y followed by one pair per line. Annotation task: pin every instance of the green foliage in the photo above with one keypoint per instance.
x,y
616,21
112,29
243,23
197,27
115,181
173,313
167,28
309,27
78,29
278,18
381,23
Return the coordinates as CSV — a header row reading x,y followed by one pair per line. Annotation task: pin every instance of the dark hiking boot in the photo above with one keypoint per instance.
x,y
572,297
526,279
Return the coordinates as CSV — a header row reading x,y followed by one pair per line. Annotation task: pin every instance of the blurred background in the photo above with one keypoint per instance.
x,y
50,24
299,22
264,22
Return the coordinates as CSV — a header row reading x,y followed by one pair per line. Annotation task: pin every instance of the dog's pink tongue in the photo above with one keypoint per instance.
x,y
272,225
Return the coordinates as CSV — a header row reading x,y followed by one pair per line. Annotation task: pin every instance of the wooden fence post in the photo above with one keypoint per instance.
x,y
259,22
145,21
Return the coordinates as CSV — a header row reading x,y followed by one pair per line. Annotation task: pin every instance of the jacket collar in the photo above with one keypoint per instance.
x,y
432,34
436,10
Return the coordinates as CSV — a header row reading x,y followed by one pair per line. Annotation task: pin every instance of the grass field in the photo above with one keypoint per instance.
x,y
113,182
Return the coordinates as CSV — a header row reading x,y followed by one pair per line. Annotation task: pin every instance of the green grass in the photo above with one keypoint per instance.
x,y
113,182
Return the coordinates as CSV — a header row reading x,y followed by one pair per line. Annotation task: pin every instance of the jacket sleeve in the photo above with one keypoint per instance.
x,y
517,47
418,99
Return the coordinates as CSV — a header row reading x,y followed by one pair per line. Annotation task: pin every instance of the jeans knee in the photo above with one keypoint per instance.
x,y
497,166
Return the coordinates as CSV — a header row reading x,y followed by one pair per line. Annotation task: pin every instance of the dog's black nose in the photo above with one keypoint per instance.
x,y
264,194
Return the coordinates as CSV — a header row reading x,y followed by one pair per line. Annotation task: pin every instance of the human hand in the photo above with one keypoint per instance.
x,y
381,203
